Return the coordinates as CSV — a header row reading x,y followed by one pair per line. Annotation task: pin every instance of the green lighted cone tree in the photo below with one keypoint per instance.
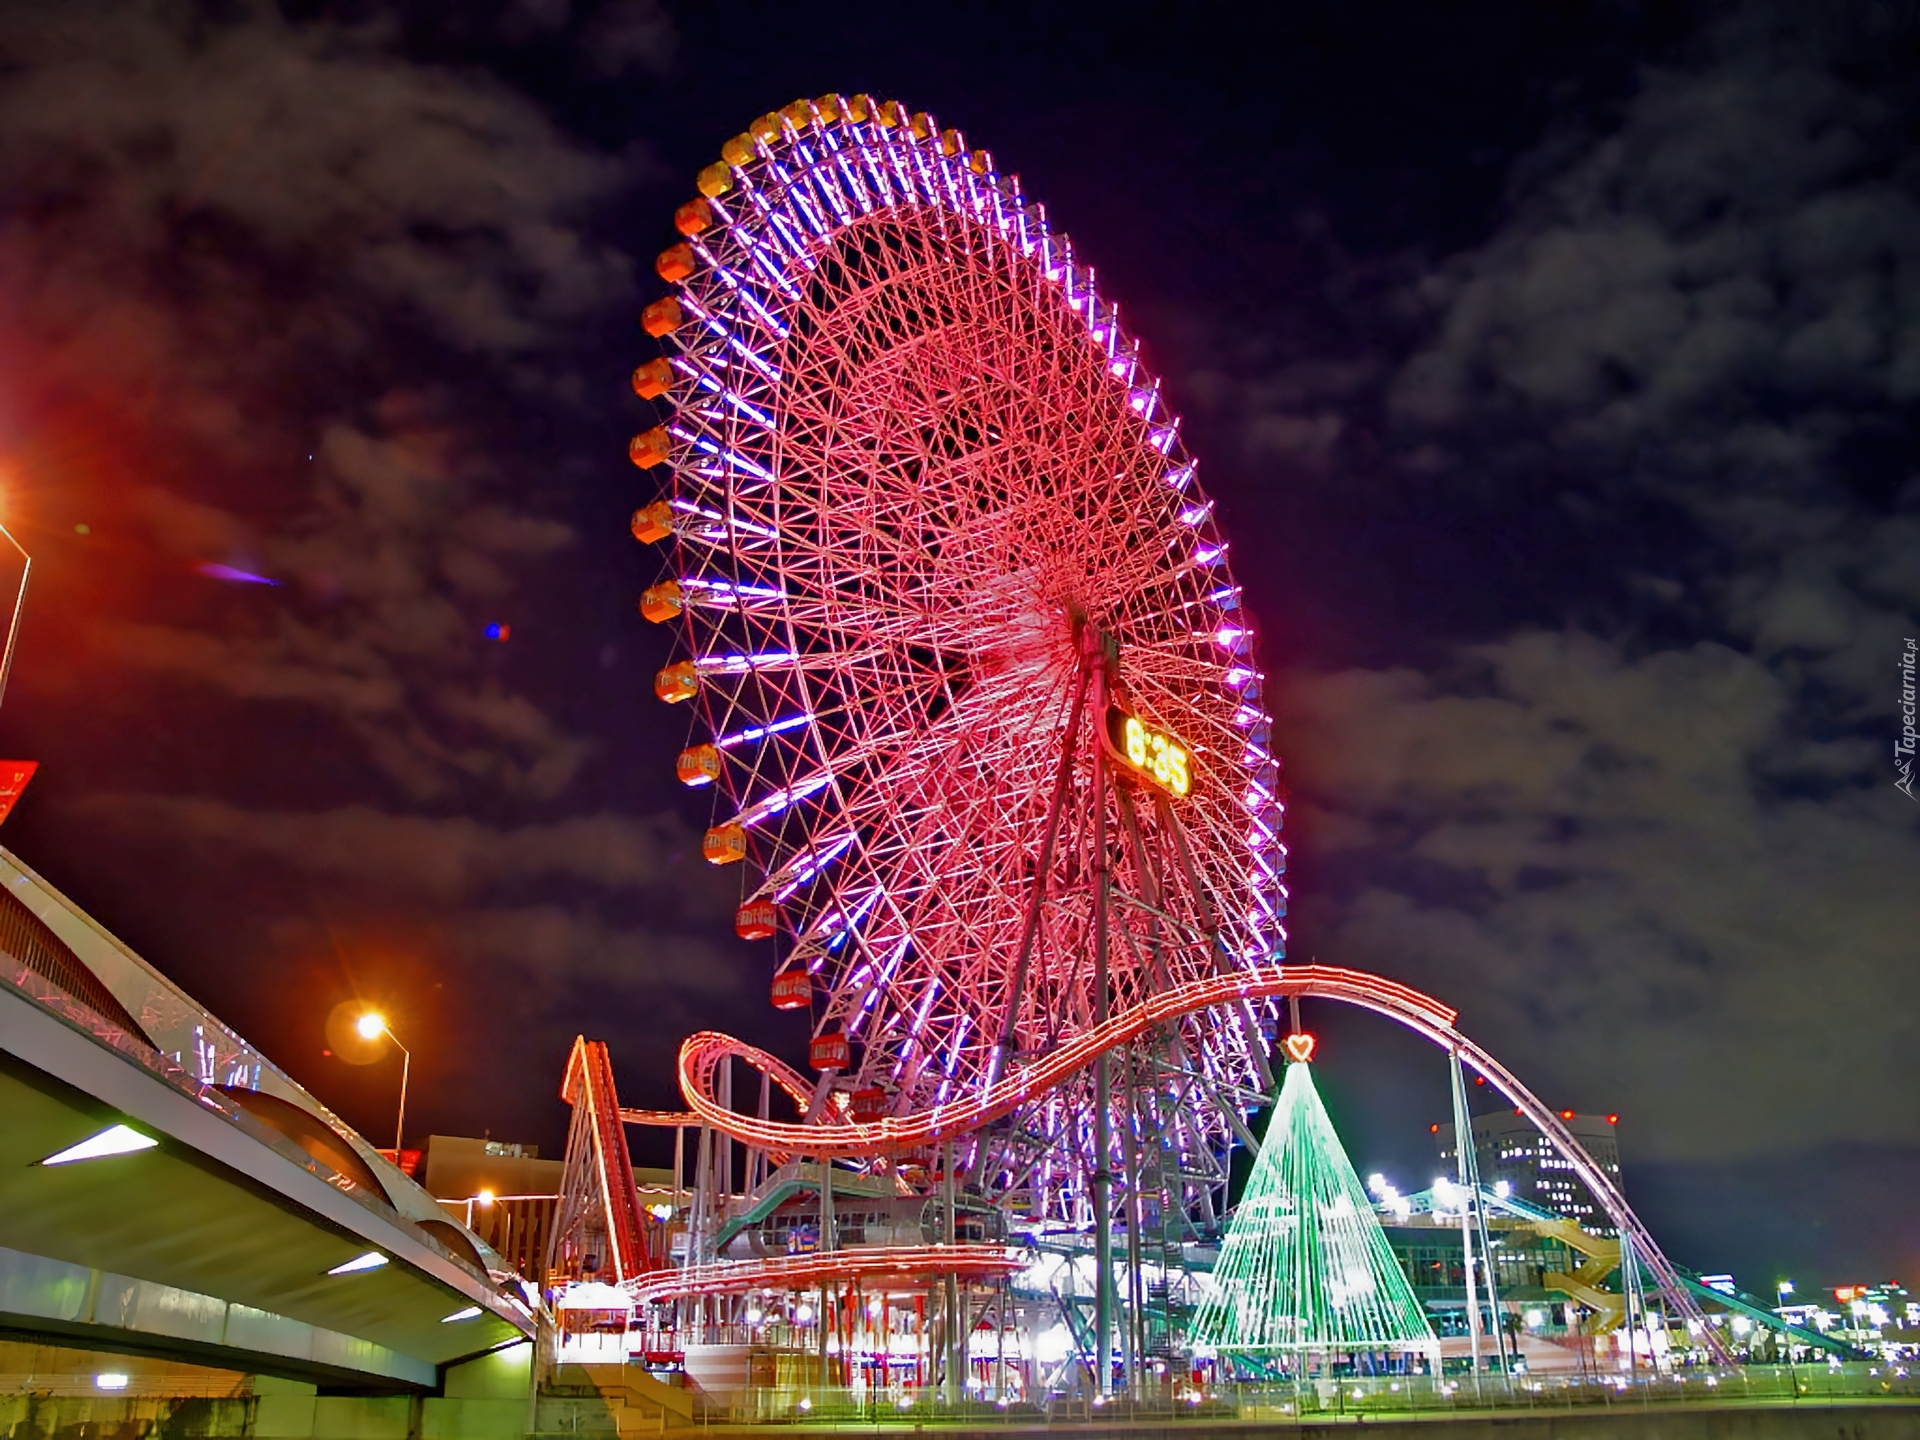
x,y
1304,1266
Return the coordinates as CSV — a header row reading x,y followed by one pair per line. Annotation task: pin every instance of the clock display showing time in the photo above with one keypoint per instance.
x,y
1152,754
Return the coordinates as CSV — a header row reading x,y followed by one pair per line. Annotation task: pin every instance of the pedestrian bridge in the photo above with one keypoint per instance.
x,y
234,1221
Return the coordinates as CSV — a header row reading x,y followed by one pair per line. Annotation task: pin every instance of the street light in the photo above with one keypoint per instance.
x,y
19,604
371,1026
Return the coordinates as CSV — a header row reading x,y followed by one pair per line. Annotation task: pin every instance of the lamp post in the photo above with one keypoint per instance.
x,y
372,1026
19,604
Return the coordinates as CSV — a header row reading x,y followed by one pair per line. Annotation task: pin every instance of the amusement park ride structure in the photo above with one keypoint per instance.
x,y
974,693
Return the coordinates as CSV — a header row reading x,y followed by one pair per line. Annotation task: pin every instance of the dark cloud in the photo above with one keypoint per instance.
x,y
442,860
1657,855
284,298
210,228
1579,848
627,35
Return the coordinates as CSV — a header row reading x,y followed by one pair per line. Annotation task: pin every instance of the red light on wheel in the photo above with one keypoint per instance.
x,y
869,1104
830,1051
756,920
792,990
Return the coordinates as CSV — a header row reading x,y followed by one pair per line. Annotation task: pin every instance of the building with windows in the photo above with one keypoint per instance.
x,y
1508,1147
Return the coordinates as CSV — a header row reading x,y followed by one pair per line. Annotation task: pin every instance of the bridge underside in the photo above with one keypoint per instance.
x,y
169,1252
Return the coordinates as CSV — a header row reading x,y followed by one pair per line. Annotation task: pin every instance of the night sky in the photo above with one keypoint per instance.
x,y
1555,367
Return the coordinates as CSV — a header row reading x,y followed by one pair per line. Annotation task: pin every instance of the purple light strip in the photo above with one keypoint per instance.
x,y
740,664
770,274
913,1030
812,863
728,590
733,397
752,301
776,803
1195,514
875,990
760,732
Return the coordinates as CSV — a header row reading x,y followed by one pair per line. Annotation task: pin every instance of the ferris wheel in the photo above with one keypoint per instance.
x,y
971,681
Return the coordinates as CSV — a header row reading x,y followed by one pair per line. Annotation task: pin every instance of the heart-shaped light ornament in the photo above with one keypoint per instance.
x,y
1299,1047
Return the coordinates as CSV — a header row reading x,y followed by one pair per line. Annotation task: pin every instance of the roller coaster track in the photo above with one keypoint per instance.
x,y
799,1272
701,1056
597,1190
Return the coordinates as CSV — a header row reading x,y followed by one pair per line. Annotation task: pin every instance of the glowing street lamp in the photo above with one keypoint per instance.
x,y
371,1026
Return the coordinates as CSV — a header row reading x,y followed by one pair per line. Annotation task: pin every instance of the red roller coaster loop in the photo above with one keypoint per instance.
x,y
702,1054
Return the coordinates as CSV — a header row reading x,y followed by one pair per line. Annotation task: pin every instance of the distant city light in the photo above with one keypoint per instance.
x,y
498,631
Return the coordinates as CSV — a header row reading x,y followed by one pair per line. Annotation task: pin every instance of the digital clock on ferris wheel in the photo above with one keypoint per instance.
x,y
1153,755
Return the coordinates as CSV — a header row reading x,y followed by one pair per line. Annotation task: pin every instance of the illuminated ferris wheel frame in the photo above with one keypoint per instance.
x,y
971,682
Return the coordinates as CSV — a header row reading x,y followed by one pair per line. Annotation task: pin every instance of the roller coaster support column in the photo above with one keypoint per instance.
x,y
1130,1155
1102,1076
824,1245
1490,1273
1462,1143
953,1331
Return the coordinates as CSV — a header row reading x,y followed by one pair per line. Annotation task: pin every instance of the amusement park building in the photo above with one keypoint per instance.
x,y
1508,1147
